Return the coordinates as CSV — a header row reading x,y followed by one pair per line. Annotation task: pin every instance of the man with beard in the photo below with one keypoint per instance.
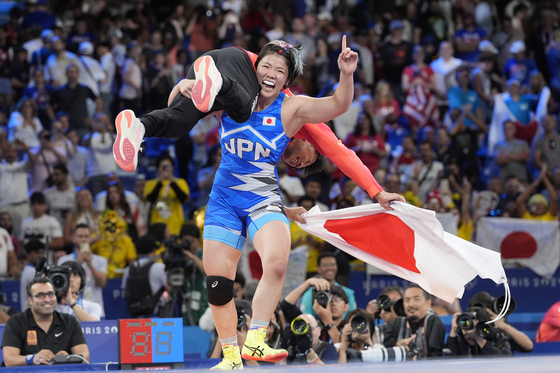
x,y
421,329
40,333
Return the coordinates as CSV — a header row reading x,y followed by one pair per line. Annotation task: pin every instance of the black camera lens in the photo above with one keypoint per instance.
x,y
323,298
59,282
500,303
359,324
465,321
299,326
384,302
241,319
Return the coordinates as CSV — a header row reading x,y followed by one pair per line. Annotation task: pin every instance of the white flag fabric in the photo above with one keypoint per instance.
x,y
499,115
408,242
448,221
534,244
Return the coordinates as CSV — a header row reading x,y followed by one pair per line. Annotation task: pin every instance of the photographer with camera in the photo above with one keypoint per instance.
x,y
471,336
145,280
195,276
329,302
384,308
421,330
71,299
518,340
326,269
40,334
356,333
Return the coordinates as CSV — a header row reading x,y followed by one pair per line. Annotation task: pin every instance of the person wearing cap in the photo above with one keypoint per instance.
x,y
519,65
481,77
519,106
91,72
468,39
393,56
538,207
57,63
39,57
146,247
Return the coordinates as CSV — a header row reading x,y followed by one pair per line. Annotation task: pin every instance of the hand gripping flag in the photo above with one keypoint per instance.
x,y
410,243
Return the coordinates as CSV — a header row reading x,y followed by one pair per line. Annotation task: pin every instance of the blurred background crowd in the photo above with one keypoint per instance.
x,y
454,107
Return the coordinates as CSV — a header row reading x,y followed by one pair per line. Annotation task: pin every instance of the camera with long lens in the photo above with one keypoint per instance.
x,y
299,326
466,322
298,339
385,303
241,319
499,304
378,355
60,277
175,260
359,324
323,296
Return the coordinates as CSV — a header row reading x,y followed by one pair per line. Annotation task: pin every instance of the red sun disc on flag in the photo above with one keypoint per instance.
x,y
518,245
382,235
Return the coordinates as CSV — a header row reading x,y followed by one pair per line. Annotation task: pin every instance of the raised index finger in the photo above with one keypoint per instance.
x,y
343,42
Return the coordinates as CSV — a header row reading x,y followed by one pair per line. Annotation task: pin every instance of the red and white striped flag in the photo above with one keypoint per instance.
x,y
408,242
534,244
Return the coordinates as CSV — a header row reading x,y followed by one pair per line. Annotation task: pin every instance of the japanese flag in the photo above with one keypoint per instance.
x,y
269,121
408,242
534,244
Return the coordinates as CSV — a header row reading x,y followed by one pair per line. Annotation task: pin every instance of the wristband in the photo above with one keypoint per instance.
x,y
329,326
29,359
72,305
314,361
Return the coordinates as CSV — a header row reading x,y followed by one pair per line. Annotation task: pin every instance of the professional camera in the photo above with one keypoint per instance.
x,y
241,319
377,355
298,340
499,304
465,322
175,260
323,297
60,277
359,324
299,326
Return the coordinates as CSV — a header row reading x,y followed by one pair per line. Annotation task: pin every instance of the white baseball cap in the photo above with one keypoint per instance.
x,y
517,47
487,46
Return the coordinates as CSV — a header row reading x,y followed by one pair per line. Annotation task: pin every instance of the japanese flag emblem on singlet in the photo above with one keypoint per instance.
x,y
269,121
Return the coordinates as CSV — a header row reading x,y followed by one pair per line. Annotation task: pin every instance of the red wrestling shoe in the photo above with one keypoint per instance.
x,y
208,82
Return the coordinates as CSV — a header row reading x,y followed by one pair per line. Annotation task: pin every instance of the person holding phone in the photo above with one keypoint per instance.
x,y
167,194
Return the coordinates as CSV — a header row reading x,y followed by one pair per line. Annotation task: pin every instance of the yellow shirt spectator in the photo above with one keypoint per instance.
x,y
546,217
167,204
119,253
301,237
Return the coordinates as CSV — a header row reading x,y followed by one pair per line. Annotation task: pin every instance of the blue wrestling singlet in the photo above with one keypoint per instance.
x,y
245,194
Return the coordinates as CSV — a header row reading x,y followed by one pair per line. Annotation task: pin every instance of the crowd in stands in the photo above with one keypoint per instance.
x,y
455,107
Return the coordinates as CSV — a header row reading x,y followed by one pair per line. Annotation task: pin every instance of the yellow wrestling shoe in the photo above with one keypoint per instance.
x,y
231,360
256,349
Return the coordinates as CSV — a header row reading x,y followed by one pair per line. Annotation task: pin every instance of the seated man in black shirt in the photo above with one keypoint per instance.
x,y
35,336
421,330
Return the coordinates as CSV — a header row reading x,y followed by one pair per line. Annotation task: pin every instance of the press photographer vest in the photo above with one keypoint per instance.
x,y
405,331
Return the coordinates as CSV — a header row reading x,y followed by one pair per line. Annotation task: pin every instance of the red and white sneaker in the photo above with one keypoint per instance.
x,y
208,82
130,134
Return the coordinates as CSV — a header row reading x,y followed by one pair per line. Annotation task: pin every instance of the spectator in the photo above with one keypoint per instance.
x,y
143,204
60,198
19,73
82,213
80,34
77,158
39,57
34,249
367,143
229,29
468,343
314,245
131,88
326,269
313,189
385,108
40,94
108,65
195,276
519,65
38,14
41,226
549,330
483,78
468,39
512,154
160,81
114,245
34,43
331,316
201,30
353,339
100,199
57,64
420,327
72,98
553,59
117,202
101,163
278,30
444,68
394,293
393,56
519,106
13,183
91,72
24,124
431,23
539,207
6,50
72,302
291,187
407,157
503,41
418,80
547,147
145,268
7,224
166,194
70,338
46,157
422,175
94,266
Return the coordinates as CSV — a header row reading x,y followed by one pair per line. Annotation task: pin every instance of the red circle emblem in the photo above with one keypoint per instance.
x,y
518,245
